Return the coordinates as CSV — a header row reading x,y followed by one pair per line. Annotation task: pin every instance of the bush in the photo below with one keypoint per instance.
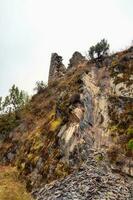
x,y
40,86
130,132
10,110
15,101
7,123
99,50
130,144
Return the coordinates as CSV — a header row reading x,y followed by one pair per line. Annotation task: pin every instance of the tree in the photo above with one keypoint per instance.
x,y
102,48
10,109
92,52
40,86
15,100
99,50
0,104
6,105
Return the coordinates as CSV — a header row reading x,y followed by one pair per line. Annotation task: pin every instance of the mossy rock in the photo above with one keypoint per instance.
x,y
55,124
61,170
130,144
130,132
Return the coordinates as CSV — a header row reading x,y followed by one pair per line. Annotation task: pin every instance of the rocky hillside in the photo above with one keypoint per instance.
x,y
75,139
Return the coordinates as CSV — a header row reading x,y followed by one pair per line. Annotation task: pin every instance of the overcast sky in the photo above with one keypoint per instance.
x,y
30,30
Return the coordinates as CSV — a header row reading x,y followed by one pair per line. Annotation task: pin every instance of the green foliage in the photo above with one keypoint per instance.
x,y
61,170
15,100
130,144
7,123
99,157
130,131
40,86
92,52
0,104
10,109
100,49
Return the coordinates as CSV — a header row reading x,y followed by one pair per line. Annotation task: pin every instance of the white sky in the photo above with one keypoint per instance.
x,y
30,30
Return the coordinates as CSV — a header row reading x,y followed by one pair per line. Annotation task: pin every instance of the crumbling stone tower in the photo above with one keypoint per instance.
x,y
76,60
57,68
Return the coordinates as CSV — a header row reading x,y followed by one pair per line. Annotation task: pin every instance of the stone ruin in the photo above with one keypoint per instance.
x,y
76,60
57,68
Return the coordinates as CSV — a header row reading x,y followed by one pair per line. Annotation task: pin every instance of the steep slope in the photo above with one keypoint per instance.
x,y
81,127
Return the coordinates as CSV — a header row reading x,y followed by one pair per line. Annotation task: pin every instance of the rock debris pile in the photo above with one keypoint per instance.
x,y
91,182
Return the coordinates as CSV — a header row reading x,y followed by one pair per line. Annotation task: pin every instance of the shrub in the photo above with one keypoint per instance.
x,y
10,110
40,86
130,144
99,50
15,101
92,52
130,131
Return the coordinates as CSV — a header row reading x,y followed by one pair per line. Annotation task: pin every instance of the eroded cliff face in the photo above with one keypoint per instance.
x,y
81,121
89,137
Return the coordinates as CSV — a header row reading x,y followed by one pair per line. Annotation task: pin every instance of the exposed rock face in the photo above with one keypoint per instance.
x,y
85,140
82,129
94,83
122,76
76,60
57,69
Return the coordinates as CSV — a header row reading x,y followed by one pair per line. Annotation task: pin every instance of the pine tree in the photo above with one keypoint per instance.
x,y
99,50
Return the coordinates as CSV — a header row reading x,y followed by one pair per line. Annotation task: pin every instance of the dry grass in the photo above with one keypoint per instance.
x,y
10,187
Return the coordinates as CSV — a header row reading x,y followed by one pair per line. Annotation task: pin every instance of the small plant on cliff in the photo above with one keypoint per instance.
x,y
40,86
130,131
92,52
99,50
130,144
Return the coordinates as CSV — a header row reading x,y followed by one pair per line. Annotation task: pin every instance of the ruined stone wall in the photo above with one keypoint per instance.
x,y
57,68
